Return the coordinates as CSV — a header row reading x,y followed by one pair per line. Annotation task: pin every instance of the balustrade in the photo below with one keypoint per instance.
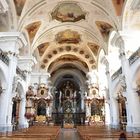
x,y
4,57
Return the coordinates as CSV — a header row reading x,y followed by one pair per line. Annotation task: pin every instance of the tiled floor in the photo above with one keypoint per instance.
x,y
69,134
65,134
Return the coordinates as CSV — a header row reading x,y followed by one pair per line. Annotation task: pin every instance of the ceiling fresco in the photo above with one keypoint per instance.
x,y
61,27
67,58
32,29
104,28
68,36
68,12
19,4
93,47
118,5
42,48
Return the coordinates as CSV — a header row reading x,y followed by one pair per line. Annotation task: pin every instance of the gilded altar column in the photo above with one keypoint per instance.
x,y
133,113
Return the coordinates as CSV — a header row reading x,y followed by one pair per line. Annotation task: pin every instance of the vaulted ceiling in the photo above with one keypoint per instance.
x,y
68,34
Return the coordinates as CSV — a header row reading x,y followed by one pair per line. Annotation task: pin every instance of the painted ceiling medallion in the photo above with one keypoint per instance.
x,y
68,12
68,36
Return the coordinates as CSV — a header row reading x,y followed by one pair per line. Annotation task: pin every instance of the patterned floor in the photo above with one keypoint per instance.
x,y
71,134
68,134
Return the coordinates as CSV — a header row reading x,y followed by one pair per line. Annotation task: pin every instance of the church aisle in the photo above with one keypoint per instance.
x,y
68,134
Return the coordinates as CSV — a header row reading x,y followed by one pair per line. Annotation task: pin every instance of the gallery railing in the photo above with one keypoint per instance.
x,y
134,56
21,73
116,74
4,57
132,59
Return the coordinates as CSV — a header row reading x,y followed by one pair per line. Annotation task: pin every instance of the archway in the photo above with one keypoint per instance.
x,y
67,101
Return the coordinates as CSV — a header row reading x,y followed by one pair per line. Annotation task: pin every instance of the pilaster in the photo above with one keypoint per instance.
x,y
10,43
133,113
22,120
111,103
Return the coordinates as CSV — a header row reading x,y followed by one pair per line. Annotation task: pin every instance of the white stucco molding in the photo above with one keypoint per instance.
x,y
25,63
3,6
12,41
40,78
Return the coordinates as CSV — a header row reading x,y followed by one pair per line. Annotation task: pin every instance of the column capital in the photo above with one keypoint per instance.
x,y
3,6
25,63
105,61
117,40
15,39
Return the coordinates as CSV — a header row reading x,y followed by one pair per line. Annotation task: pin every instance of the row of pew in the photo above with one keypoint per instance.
x,y
103,132
37,132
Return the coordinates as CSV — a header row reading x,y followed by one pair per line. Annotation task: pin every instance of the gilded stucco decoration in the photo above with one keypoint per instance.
x,y
68,12
19,4
68,36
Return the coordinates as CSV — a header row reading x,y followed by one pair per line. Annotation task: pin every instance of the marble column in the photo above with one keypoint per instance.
x,y
10,42
133,113
22,120
25,63
111,102
82,92
88,108
107,113
6,111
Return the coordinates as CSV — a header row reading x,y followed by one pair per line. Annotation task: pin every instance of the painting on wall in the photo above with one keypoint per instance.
x,y
104,28
68,12
93,47
42,48
32,29
19,4
68,36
